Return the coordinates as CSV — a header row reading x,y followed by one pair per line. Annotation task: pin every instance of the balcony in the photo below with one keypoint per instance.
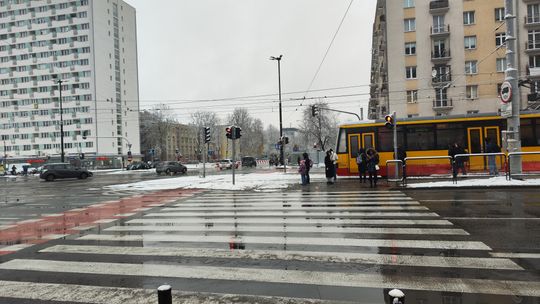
x,y
439,6
440,30
443,105
533,72
440,56
532,21
532,47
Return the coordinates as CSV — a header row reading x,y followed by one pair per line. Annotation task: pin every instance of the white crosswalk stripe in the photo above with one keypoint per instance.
x,y
333,239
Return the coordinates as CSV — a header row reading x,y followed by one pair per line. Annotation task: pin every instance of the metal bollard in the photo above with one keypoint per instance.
x,y
396,296
164,293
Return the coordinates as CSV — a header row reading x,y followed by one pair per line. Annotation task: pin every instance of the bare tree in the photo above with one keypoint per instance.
x,y
201,119
155,126
271,137
252,140
321,129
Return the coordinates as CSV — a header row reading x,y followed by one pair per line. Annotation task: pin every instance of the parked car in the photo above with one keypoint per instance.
x,y
169,167
51,172
226,164
249,161
138,166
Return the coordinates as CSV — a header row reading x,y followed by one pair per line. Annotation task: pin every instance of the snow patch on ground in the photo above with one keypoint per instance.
x,y
253,181
485,182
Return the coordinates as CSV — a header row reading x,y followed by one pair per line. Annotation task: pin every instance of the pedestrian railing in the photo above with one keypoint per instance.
x,y
427,166
394,170
479,164
530,164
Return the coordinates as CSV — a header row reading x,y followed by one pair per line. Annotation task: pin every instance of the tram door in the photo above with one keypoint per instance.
x,y
357,141
476,138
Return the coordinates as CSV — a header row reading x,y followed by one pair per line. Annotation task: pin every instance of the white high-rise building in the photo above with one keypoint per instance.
x,y
91,46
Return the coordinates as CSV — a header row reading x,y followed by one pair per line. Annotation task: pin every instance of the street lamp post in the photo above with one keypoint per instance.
x,y
62,156
281,154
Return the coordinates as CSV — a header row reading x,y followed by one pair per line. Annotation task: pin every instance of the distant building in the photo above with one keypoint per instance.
x,y
92,47
436,58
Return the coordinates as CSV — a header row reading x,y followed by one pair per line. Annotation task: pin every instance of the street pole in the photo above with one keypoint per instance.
x,y
233,138
204,161
512,76
62,157
281,152
394,115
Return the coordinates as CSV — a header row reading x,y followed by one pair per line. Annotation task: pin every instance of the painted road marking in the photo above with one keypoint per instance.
x,y
516,255
295,199
120,295
287,221
287,209
233,229
298,204
393,243
344,279
494,218
284,213
325,257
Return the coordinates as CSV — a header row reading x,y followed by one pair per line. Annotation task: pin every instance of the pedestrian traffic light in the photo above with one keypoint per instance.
x,y
237,132
314,111
82,156
229,132
206,135
389,121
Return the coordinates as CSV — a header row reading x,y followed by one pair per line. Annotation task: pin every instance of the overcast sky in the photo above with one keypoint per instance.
x,y
193,50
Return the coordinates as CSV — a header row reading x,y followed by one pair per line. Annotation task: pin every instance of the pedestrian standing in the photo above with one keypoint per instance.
x,y
372,166
302,171
458,162
13,170
334,158
492,147
308,164
362,165
401,155
330,168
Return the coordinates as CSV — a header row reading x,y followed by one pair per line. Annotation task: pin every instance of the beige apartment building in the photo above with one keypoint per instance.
x,y
438,58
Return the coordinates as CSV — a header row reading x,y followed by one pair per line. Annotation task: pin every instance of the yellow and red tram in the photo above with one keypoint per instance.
x,y
427,137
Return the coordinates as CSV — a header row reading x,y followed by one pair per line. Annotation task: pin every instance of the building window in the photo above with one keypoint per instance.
x,y
468,18
533,13
471,67
408,3
501,64
410,25
410,48
499,14
470,42
472,91
412,96
500,39
441,97
533,40
410,72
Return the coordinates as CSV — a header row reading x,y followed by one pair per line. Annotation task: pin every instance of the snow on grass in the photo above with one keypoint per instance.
x,y
253,181
471,182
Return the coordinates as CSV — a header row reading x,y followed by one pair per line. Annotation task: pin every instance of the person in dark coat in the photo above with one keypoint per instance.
x,y
459,163
330,168
361,162
492,147
401,155
309,165
372,163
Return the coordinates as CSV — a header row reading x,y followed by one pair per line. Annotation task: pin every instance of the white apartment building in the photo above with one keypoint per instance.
x,y
91,46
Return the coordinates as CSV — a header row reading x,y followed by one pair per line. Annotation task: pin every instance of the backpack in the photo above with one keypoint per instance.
x,y
359,159
310,163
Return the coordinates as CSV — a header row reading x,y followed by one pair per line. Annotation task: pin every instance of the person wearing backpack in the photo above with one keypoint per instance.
x,y
362,165
492,147
309,164
372,160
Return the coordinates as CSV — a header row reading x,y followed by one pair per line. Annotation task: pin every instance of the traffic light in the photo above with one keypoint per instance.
x,y
82,156
237,132
206,135
229,132
389,121
314,111
285,140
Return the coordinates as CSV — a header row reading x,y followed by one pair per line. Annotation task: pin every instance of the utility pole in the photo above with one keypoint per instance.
x,y
233,151
396,156
62,157
281,152
512,77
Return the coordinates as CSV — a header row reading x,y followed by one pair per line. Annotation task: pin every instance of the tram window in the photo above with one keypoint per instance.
x,y
420,138
527,135
448,134
385,139
537,132
342,141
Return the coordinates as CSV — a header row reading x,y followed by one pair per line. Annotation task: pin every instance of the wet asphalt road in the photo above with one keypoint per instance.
x,y
342,242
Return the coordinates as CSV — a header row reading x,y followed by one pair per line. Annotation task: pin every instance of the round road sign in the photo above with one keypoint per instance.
x,y
506,92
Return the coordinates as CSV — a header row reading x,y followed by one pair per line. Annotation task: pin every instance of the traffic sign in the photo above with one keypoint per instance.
x,y
506,92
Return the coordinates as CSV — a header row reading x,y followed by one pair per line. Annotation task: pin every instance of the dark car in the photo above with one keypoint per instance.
x,y
51,172
138,166
249,161
169,167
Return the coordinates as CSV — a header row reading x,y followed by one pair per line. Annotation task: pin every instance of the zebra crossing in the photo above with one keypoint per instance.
x,y
289,247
